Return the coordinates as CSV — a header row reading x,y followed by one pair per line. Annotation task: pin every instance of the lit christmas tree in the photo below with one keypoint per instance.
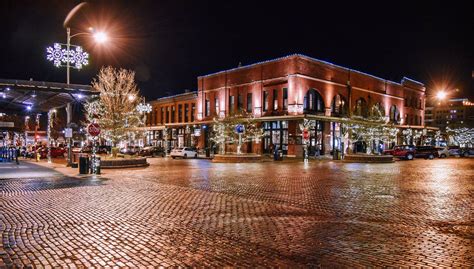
x,y
461,136
372,130
224,130
118,109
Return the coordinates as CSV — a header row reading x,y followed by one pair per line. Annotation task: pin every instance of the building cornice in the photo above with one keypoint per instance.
x,y
313,60
301,76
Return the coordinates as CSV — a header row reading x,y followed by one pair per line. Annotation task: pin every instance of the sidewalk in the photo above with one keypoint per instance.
x,y
58,165
26,169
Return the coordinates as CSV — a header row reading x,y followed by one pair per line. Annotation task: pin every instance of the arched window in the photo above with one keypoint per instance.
x,y
377,110
394,114
313,102
338,105
361,108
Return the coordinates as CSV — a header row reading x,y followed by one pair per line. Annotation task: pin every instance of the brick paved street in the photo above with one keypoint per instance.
x,y
197,213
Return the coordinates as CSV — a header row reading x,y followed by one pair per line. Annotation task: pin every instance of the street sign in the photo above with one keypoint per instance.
x,y
93,129
197,132
305,134
68,132
239,128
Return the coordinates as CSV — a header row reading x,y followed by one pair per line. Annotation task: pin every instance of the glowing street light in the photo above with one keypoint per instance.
x,y
441,95
100,37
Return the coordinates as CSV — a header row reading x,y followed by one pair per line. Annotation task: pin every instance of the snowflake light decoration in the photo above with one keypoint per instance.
x,y
59,56
79,57
56,54
144,108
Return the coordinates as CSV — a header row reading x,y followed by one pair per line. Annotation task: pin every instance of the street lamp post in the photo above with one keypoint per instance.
x,y
78,57
100,37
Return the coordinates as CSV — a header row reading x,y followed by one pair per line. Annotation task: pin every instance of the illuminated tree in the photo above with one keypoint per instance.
x,y
373,129
223,130
410,136
116,109
462,136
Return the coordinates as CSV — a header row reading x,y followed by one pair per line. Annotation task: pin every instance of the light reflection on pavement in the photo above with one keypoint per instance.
x,y
197,213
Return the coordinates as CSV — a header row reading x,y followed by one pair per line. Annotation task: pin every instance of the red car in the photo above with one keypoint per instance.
x,y
55,152
404,152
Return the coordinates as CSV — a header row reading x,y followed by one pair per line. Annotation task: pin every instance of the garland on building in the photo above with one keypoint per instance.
x,y
223,130
371,130
462,136
117,109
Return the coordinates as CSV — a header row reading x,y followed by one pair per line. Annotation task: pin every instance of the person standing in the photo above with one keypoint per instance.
x,y
317,152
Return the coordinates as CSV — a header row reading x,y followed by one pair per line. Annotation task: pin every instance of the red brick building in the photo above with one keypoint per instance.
x,y
171,121
284,91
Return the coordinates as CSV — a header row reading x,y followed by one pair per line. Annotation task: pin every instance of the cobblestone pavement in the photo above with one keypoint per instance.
x,y
197,213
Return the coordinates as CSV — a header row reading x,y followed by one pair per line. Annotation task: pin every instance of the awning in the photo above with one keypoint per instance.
x,y
17,96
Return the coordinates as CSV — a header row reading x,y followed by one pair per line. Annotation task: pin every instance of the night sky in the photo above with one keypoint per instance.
x,y
170,43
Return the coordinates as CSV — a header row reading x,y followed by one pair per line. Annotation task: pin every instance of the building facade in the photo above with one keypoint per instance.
x,y
281,93
172,121
454,112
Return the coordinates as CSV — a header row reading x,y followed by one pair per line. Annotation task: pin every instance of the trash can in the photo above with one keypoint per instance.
x,y
208,153
280,155
83,165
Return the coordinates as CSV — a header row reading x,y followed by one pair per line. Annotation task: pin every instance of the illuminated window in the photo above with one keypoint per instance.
x,y
275,100
231,104
249,102
313,102
285,99
265,101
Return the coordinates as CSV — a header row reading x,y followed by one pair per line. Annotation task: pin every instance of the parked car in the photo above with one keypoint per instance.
x,y
130,150
467,152
152,151
427,152
454,151
184,153
404,152
443,152
55,152
103,149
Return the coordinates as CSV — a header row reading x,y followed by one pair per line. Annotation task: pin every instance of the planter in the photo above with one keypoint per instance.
x,y
236,158
365,158
123,163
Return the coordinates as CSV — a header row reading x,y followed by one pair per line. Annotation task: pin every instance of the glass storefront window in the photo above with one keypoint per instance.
x,y
316,137
276,133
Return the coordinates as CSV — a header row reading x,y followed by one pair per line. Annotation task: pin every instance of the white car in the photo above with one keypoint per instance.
x,y
443,152
183,153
